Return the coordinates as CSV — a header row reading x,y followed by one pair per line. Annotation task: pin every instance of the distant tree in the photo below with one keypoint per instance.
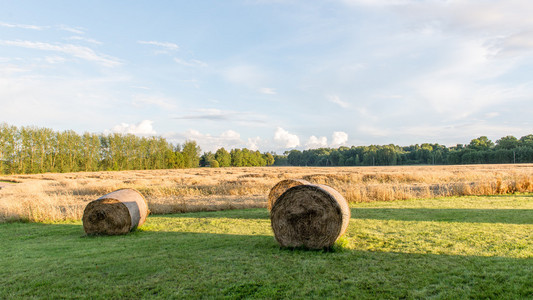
x,y
336,158
269,159
280,160
207,159
236,157
223,157
481,143
527,141
191,154
295,158
507,142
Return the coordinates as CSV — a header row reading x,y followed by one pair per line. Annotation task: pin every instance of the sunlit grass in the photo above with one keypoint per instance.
x,y
448,248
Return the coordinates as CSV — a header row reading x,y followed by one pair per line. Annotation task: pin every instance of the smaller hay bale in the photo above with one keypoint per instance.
x,y
118,212
281,187
312,216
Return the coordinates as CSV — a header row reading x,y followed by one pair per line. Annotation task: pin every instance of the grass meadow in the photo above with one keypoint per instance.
x,y
446,232
448,248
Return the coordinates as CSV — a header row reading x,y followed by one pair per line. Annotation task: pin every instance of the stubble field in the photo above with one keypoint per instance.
x,y
54,197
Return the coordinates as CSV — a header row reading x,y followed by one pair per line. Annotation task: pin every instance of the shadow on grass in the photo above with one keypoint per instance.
x,y
245,214
52,261
507,216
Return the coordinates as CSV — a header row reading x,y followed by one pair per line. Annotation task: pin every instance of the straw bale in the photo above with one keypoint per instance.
x,y
311,216
118,212
281,187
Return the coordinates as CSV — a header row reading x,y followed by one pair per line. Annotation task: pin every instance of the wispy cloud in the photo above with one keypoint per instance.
x,y
191,63
335,99
248,75
166,45
373,130
267,91
23,26
144,100
210,114
39,27
71,29
84,39
74,50
223,115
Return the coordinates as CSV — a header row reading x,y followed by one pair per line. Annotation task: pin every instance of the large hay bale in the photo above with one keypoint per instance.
x,y
312,216
281,187
118,212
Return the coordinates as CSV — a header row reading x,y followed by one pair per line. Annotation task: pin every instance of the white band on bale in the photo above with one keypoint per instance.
x,y
118,212
312,216
281,187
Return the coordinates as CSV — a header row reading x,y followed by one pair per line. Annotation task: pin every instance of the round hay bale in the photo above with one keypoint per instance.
x,y
118,212
312,216
281,187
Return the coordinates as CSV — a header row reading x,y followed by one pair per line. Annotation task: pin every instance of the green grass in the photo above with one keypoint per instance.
x,y
450,248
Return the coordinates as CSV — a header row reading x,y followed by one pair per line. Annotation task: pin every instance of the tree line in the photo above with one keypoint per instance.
x,y
508,149
27,150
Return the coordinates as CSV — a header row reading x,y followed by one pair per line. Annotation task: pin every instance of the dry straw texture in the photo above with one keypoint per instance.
x,y
311,216
281,187
50,196
116,213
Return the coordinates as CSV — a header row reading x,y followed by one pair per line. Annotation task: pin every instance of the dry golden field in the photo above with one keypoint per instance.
x,y
51,197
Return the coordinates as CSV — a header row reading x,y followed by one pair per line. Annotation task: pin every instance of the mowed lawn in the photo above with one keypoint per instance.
x,y
448,248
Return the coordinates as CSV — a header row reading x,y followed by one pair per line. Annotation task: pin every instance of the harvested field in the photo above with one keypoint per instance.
x,y
51,197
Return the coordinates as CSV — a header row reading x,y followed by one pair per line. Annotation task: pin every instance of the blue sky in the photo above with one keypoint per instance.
x,y
271,75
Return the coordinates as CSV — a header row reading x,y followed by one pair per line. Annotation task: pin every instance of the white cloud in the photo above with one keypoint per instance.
x,y
191,63
314,142
253,143
463,80
55,59
247,75
71,29
230,135
65,102
492,114
143,100
23,26
285,139
339,138
84,39
166,45
242,118
74,50
228,139
267,91
143,128
373,131
335,99
10,69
